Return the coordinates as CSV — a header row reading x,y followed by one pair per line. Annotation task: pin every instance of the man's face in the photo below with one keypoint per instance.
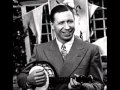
x,y
64,26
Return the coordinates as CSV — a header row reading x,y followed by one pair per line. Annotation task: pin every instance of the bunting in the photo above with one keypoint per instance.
x,y
92,9
33,20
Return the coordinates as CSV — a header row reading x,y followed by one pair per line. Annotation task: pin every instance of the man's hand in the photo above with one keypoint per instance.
x,y
36,78
73,83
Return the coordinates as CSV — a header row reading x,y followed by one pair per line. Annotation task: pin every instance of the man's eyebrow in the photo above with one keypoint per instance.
x,y
61,22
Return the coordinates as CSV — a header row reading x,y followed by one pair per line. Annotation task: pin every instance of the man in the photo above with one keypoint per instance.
x,y
81,59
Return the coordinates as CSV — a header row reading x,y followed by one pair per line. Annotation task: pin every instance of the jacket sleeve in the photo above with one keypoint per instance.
x,y
96,71
21,79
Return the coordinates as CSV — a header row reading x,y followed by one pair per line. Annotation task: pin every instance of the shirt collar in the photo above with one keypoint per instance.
x,y
68,44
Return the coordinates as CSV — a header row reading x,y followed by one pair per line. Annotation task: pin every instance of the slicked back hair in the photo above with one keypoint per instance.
x,y
58,9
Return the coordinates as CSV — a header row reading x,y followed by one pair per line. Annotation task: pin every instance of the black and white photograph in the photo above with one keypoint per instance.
x,y
59,44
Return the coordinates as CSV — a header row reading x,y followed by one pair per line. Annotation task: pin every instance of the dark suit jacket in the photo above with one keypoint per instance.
x,y
83,58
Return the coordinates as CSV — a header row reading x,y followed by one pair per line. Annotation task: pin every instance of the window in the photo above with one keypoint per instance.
x,y
98,20
46,27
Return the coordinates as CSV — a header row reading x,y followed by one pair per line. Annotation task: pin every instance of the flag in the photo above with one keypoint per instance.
x,y
33,20
69,2
53,3
92,8
102,44
82,19
28,22
37,15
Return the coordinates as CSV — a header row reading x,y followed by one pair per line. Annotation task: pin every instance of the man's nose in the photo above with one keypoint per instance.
x,y
66,26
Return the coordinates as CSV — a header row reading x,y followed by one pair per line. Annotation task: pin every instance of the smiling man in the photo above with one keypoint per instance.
x,y
69,56
63,24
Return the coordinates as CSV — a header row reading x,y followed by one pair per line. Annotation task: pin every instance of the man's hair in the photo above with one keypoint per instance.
x,y
58,9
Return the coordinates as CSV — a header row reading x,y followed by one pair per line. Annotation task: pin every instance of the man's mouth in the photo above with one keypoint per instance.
x,y
67,33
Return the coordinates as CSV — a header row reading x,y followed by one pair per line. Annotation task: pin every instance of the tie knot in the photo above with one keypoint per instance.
x,y
63,47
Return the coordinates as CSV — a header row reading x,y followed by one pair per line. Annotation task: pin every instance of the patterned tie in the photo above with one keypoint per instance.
x,y
63,50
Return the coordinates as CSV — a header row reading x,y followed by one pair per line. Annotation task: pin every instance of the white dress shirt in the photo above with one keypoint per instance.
x,y
68,44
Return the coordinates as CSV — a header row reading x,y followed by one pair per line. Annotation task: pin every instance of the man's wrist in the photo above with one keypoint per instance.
x,y
27,84
74,86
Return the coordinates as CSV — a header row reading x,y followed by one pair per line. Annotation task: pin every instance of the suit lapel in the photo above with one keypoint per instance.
x,y
74,58
54,56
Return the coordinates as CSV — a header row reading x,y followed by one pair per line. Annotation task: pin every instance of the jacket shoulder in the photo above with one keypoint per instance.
x,y
86,44
44,45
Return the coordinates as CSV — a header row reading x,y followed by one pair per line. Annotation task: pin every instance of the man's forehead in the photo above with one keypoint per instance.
x,y
62,15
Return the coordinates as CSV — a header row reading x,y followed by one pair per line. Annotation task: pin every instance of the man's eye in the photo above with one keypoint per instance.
x,y
70,21
61,23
